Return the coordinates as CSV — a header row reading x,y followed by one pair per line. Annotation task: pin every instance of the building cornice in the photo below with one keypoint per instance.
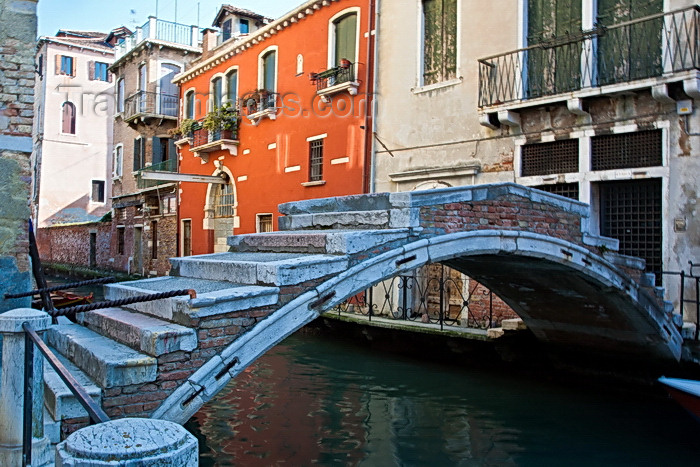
x,y
55,41
259,36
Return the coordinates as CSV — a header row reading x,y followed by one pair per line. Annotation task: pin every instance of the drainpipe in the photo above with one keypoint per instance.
x,y
371,80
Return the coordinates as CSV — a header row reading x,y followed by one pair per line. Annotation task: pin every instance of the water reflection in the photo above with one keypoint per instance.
x,y
313,400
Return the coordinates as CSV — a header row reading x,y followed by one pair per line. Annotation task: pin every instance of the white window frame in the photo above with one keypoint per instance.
x,y
331,36
104,191
257,221
121,95
261,73
118,164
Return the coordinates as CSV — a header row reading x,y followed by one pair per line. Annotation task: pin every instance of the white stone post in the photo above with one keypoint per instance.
x,y
130,442
195,36
12,389
152,27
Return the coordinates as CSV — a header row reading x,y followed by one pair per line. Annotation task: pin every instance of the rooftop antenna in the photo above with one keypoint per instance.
x,y
176,11
156,8
198,14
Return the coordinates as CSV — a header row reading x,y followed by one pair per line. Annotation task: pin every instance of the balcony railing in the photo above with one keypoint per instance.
x,y
258,101
335,76
166,166
158,29
151,104
648,47
202,137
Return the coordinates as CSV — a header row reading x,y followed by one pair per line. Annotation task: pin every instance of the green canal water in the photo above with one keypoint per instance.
x,y
316,400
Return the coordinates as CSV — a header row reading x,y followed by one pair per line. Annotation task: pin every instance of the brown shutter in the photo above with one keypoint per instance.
x,y
58,64
110,76
91,70
75,63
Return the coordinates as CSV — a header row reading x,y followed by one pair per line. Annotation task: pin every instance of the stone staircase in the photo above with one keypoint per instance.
x,y
126,357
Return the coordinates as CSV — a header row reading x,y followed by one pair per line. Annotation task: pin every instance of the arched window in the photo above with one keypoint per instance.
x,y
189,105
216,92
269,71
224,201
120,95
68,118
232,87
345,47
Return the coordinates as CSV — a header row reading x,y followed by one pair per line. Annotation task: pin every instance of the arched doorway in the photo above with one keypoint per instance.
x,y
221,209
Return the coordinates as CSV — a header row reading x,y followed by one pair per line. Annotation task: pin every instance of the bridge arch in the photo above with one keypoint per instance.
x,y
506,261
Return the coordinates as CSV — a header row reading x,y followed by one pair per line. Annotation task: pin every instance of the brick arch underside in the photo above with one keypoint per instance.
x,y
563,292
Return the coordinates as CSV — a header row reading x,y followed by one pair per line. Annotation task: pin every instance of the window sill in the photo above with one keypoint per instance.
x,y
433,87
316,183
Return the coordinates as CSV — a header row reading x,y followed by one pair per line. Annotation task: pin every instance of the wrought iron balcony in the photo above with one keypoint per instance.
x,y
223,137
166,166
150,104
259,104
335,76
165,31
658,45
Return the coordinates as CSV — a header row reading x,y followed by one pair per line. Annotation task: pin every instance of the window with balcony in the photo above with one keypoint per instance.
x,y
189,105
217,92
120,95
345,39
439,41
232,87
268,71
342,57
68,118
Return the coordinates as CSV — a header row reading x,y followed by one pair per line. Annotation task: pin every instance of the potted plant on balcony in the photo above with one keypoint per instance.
x,y
184,129
222,122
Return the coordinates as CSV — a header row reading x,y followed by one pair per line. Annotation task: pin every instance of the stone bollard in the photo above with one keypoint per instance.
x,y
12,389
130,442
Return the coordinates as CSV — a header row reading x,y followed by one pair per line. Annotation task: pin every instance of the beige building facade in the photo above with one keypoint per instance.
x,y
590,99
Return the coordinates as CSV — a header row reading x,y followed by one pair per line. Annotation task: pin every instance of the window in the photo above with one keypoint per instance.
x,y
120,240
154,240
65,65
98,191
68,118
264,223
232,87
143,78
316,160
168,205
269,71
217,92
118,161
98,71
226,31
163,152
40,66
189,105
224,201
120,96
570,190
244,26
439,41
557,157
139,154
345,37
628,150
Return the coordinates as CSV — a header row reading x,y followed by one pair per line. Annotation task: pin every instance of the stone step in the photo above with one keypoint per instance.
x,y
58,399
213,297
146,334
107,362
333,242
272,269
52,428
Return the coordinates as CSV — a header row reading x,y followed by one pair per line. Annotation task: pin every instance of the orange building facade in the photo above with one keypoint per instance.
x,y
273,111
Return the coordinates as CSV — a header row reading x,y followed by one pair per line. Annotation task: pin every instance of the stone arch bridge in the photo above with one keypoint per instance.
x,y
165,359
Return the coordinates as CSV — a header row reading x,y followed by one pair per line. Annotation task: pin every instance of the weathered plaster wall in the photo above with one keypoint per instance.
x,y
17,35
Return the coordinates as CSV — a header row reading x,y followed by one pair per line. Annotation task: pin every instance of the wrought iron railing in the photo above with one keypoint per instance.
x,y
201,136
151,103
169,165
258,101
689,281
638,49
335,76
438,298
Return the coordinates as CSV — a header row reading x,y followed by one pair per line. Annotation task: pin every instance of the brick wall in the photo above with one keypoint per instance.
x,y
17,36
70,244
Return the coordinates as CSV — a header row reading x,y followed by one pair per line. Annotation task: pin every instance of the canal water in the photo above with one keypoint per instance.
x,y
317,400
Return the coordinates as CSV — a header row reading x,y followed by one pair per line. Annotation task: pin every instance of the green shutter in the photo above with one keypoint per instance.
x,y
449,21
232,87
137,154
157,156
269,72
345,38
217,93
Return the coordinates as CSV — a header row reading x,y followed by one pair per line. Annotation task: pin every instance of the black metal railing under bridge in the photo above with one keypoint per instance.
x,y
434,294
